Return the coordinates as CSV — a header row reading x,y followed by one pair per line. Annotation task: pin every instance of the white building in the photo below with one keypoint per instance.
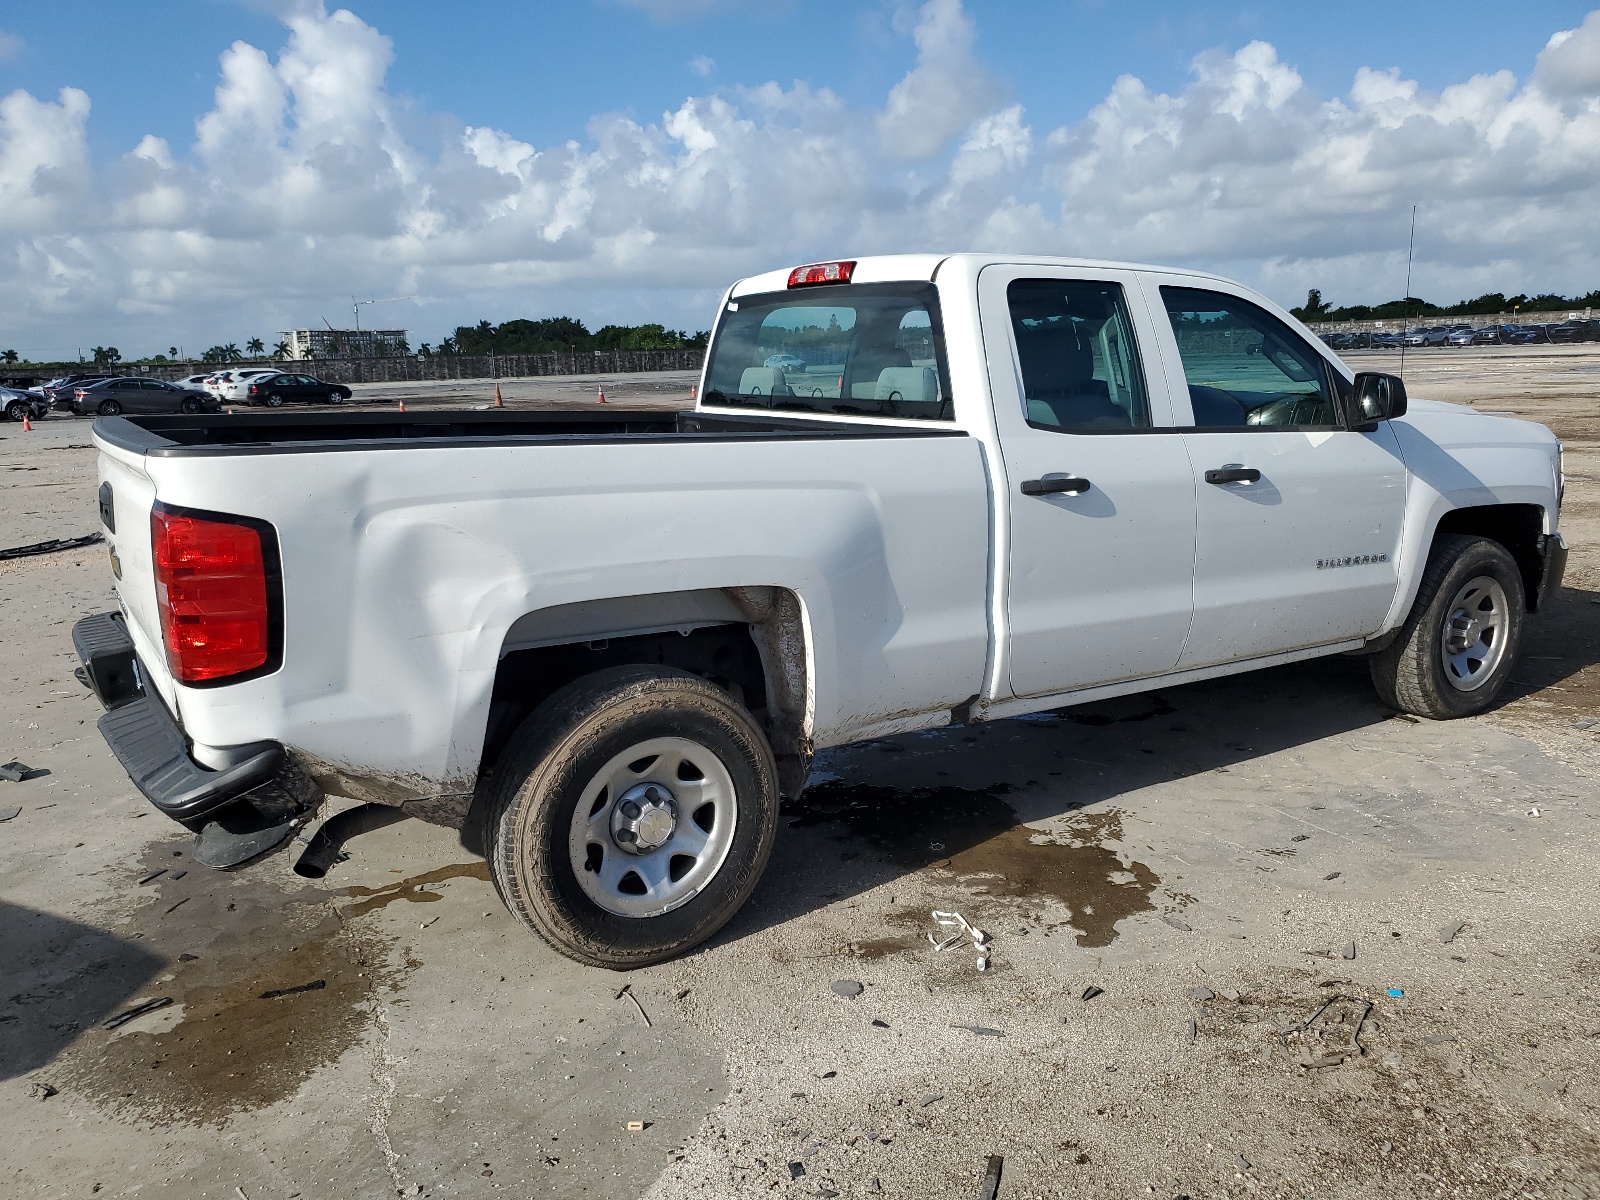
x,y
346,343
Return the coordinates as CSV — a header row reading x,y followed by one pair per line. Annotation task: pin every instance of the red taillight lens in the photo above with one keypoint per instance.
x,y
252,389
211,586
834,272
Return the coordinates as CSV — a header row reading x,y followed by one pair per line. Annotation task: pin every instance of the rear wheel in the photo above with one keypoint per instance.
x,y
109,408
274,400
632,815
1456,650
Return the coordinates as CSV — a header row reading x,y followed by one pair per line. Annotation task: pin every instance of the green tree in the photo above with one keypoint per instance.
x,y
105,356
1314,309
9,357
172,352
281,350
256,347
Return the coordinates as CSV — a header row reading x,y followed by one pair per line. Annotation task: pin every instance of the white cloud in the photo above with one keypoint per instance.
x,y
300,187
10,47
702,65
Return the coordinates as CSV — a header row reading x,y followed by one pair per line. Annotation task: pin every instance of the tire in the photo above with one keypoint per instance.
x,y
569,879
109,408
274,400
1431,668
192,406
17,409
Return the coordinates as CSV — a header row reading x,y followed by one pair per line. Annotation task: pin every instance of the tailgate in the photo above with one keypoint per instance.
x,y
127,495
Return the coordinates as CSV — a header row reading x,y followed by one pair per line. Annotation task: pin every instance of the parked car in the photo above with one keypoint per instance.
x,y
277,390
233,386
603,644
59,391
194,382
1574,331
1387,341
1462,337
785,362
17,404
110,397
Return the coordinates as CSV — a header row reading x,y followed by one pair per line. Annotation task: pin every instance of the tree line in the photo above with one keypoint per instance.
x,y
558,335
1316,309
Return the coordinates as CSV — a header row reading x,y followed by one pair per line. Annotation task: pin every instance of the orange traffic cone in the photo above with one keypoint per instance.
x,y
27,424
402,406
602,394
694,393
498,402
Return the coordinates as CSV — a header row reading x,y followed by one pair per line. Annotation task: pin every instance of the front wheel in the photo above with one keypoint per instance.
x,y
631,816
18,409
192,406
1457,649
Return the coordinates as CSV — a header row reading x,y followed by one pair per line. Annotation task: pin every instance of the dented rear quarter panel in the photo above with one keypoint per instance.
x,y
403,569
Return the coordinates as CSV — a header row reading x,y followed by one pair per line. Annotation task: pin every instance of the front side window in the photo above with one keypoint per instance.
x,y
1075,347
1246,367
851,349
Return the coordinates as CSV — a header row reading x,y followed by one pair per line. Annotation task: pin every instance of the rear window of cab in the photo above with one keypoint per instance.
x,y
848,350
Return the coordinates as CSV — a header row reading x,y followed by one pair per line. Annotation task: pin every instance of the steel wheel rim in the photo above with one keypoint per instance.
x,y
1473,640
630,883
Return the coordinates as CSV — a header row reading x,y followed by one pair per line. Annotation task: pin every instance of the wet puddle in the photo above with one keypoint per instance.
x,y
974,833
414,890
267,986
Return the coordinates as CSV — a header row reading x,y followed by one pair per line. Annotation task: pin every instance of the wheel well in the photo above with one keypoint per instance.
x,y
753,648
1517,527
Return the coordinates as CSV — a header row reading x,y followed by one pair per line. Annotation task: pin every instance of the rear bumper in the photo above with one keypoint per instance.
x,y
1553,550
153,750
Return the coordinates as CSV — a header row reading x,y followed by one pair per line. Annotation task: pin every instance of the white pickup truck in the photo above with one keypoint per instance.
x,y
917,491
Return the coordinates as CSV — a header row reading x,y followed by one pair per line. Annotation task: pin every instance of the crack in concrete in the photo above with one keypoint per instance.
x,y
383,1065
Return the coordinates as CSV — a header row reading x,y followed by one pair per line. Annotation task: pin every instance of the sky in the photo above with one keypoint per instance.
x,y
198,171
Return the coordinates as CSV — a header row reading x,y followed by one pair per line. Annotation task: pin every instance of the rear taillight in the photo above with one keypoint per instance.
x,y
252,389
217,588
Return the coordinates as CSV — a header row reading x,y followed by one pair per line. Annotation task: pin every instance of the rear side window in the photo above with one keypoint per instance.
x,y
854,349
1075,347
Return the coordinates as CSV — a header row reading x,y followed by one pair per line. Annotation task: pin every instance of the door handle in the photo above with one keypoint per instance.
x,y
1066,485
1233,473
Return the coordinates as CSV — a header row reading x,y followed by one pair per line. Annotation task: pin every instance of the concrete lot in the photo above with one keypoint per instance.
x,y
1202,855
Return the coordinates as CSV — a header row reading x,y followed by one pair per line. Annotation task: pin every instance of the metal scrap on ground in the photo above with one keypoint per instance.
x,y
51,546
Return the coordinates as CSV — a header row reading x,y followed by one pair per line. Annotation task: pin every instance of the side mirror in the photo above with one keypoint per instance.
x,y
1379,397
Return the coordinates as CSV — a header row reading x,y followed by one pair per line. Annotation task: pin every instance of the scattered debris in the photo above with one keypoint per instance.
x,y
1332,875
51,546
980,1030
1194,1030
826,1193
16,772
1200,993
1396,993
627,990
1349,952
177,875
983,962
152,877
991,1178
174,908
138,1010
829,1075
1449,932
1439,1039
848,988
880,1024
1330,1035
1533,812
1177,923
10,811
316,985
1241,1162
1090,992
796,1169
927,1100
187,957
40,1090
635,1126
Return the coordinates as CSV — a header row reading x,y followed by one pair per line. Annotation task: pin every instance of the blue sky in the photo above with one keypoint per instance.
x,y
717,137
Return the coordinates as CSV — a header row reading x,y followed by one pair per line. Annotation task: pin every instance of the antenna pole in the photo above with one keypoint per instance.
x,y
1405,301
356,308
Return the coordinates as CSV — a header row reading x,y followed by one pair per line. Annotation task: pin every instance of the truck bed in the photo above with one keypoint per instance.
x,y
282,433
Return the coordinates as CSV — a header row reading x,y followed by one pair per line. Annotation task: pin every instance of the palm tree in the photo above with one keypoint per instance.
x,y
255,346
172,352
281,350
232,351
9,357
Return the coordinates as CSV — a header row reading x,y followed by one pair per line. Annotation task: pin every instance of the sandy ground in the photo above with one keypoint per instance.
x,y
1204,857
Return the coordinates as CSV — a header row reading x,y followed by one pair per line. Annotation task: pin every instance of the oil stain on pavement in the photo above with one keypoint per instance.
x,y
267,987
975,835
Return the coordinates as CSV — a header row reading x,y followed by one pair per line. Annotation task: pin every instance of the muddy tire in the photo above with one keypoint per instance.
x,y
1459,645
631,816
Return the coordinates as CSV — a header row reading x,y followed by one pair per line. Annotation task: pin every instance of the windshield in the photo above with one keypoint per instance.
x,y
855,349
